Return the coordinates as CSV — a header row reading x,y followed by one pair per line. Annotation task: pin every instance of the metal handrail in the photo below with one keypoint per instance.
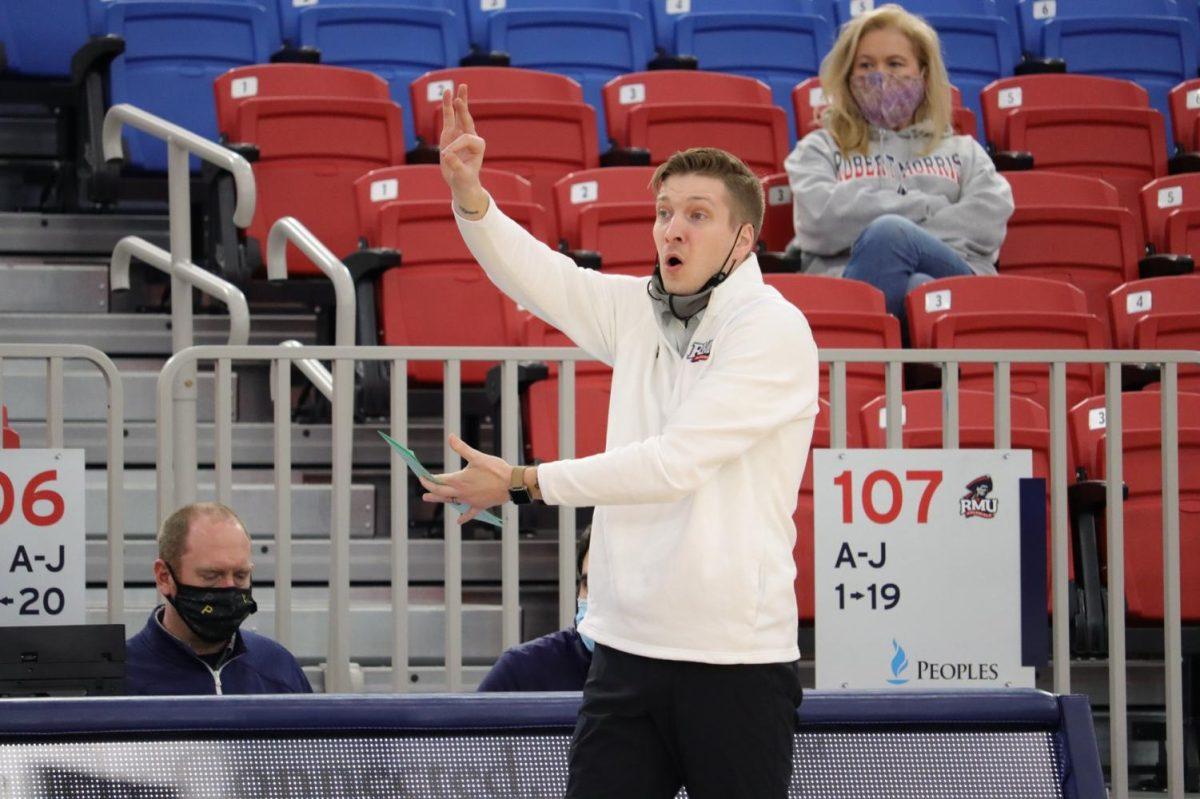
x,y
208,283
174,135
1001,362
314,370
291,229
180,144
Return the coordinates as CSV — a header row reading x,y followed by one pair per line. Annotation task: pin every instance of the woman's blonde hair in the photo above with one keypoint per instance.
x,y
842,117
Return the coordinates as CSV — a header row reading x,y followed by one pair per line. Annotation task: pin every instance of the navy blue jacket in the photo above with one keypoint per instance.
x,y
555,662
156,662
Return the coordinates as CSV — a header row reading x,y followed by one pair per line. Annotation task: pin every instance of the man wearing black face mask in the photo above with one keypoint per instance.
x,y
193,644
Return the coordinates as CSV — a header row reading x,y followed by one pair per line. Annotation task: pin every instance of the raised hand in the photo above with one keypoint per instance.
x,y
462,154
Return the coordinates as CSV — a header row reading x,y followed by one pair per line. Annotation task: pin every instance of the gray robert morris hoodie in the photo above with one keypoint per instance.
x,y
953,193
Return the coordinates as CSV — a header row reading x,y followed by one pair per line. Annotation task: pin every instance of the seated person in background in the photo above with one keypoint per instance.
x,y
558,661
885,192
192,644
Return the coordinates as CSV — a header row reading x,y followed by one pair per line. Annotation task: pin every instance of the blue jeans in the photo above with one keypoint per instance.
x,y
895,256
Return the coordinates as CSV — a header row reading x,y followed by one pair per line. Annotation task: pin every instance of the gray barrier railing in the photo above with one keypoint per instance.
x,y
182,143
1001,362
54,355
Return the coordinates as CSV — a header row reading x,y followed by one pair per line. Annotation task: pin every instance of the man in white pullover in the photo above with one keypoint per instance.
x,y
695,678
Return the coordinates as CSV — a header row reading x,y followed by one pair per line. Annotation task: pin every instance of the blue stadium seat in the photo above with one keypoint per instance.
x,y
1035,15
780,42
39,38
398,43
979,44
666,13
590,41
174,50
290,11
1151,42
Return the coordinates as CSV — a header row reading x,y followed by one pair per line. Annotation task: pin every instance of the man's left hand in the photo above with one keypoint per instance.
x,y
482,484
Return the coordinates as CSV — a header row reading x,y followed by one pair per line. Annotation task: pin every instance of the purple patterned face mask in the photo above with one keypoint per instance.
x,y
886,100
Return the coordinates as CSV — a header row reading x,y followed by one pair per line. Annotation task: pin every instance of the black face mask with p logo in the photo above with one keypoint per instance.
x,y
213,614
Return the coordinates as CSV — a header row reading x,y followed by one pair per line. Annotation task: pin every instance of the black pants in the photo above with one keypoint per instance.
x,y
649,726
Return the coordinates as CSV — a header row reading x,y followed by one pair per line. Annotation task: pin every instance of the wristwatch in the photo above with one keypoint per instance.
x,y
518,492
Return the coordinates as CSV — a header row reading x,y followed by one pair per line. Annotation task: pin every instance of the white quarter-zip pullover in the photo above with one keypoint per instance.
x,y
691,553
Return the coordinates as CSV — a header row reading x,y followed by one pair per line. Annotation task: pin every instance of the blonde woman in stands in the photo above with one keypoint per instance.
x,y
885,192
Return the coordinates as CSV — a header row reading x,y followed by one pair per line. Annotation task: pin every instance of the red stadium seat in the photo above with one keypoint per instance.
x,y
593,385
484,83
609,211
536,124
1132,302
1024,330
1185,115
379,187
439,296
667,110
922,429
1171,331
1071,228
844,314
444,305
1008,313
238,85
778,228
1171,213
1060,188
540,141
808,102
1142,475
311,150
11,439
1140,410
1109,130
927,303
592,393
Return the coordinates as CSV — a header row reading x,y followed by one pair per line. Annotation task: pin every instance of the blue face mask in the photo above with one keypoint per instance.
x,y
579,614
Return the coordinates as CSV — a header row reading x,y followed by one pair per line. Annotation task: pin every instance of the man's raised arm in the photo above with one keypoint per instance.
x,y
580,302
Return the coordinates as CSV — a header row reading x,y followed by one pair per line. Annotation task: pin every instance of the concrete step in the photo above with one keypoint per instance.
x,y
253,501
85,391
79,234
144,334
70,286
370,561
253,442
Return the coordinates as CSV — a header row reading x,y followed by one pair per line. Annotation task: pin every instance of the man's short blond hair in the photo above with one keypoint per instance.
x,y
744,188
172,537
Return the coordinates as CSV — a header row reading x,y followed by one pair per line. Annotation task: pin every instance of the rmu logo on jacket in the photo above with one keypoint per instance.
x,y
699,351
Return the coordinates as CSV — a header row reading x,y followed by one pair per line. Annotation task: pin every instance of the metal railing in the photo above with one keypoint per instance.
x,y
281,359
341,396
892,361
180,144
54,355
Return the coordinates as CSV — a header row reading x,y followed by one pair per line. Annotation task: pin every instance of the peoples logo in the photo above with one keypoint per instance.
x,y
976,502
899,664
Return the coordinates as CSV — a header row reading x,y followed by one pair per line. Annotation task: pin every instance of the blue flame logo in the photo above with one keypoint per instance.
x,y
899,664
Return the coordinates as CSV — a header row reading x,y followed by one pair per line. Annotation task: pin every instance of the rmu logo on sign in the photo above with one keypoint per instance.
x,y
699,351
977,502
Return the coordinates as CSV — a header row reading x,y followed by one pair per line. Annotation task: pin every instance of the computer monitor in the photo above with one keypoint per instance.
x,y
62,660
